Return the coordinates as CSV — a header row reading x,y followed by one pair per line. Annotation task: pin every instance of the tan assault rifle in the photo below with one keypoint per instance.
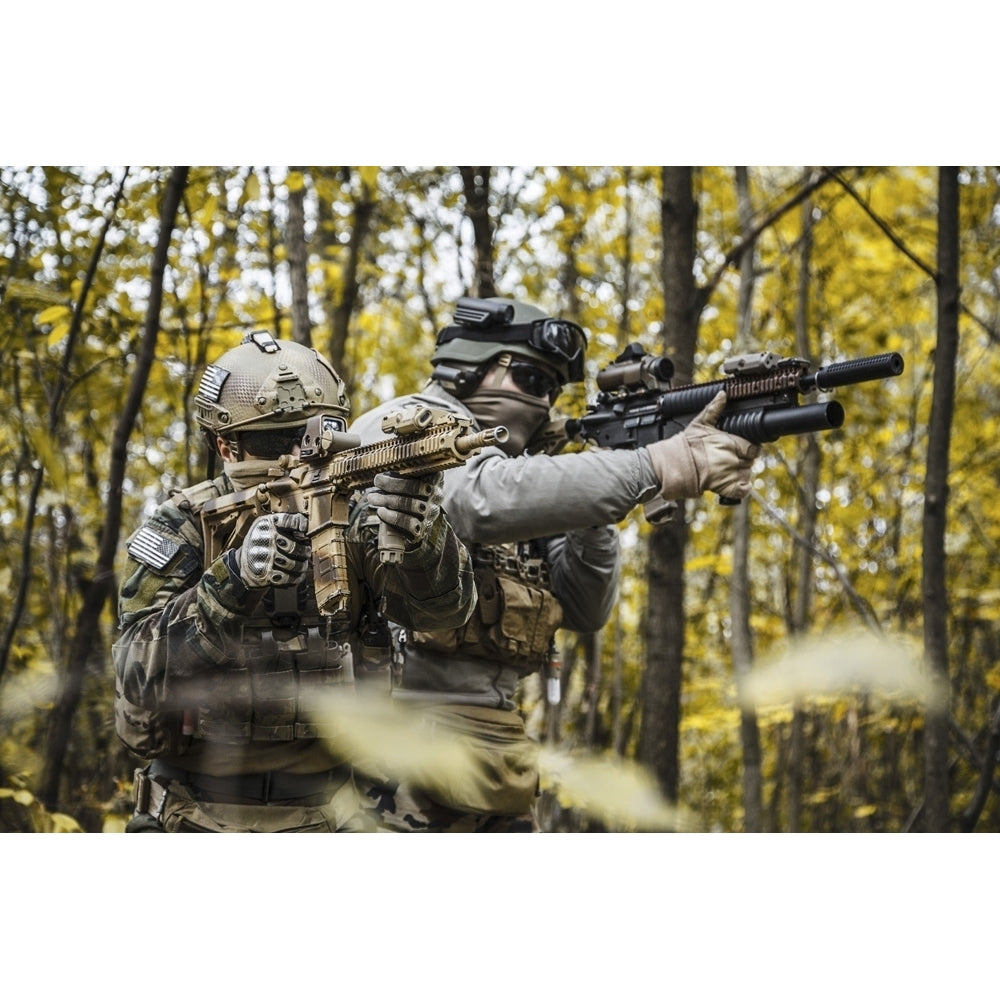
x,y
331,465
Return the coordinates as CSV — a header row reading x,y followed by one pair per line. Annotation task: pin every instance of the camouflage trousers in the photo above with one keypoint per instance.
x,y
401,808
175,808
487,783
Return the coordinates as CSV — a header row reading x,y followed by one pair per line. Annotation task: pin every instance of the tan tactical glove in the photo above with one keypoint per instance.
x,y
704,458
275,552
408,506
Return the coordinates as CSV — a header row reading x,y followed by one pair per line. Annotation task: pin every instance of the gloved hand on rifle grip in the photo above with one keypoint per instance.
x,y
274,553
704,458
409,504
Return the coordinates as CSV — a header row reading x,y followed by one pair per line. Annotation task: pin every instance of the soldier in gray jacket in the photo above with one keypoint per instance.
x,y
542,532
221,659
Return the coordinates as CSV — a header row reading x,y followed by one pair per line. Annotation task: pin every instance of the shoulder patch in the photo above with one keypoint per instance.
x,y
151,548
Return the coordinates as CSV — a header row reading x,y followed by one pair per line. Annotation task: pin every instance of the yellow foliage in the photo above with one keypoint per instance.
x,y
720,563
718,719
992,677
35,814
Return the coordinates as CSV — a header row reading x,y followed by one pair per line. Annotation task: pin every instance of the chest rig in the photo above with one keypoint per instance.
x,y
286,654
516,616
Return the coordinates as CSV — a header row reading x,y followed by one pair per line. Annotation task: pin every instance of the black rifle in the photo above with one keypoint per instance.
x,y
638,405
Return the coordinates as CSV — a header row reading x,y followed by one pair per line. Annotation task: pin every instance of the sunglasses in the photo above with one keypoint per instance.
x,y
272,443
533,380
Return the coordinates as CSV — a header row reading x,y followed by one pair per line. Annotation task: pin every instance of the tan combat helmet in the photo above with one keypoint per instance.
x,y
267,384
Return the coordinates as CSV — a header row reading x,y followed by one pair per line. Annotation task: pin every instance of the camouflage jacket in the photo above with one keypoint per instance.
x,y
203,664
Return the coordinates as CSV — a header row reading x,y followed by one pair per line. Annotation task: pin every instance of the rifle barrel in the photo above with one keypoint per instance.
x,y
838,373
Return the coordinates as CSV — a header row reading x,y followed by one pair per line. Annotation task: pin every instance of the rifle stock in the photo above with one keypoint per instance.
x,y
320,482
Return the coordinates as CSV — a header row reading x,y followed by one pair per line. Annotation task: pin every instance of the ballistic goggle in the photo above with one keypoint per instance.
x,y
489,322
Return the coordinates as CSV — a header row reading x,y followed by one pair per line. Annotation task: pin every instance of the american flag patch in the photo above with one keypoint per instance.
x,y
152,549
211,383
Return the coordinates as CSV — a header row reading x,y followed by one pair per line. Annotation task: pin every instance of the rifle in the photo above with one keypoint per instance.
x,y
638,404
331,465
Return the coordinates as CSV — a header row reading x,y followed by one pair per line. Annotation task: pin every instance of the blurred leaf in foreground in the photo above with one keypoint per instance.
x,y
386,740
842,664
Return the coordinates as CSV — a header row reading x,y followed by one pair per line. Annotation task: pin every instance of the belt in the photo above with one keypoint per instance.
x,y
263,787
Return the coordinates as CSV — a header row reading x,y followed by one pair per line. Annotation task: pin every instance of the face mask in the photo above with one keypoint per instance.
x,y
521,414
253,472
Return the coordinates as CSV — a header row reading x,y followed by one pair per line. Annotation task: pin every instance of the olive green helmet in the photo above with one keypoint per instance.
x,y
265,384
486,328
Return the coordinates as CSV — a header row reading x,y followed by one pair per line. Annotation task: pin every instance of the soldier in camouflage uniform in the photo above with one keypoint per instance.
x,y
541,527
216,665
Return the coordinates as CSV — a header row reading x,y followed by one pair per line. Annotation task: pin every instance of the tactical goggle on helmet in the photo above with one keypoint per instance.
x,y
268,384
485,328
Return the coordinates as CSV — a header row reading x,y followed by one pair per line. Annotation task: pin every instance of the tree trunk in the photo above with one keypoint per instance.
x,y
935,592
476,181
343,308
809,480
96,594
659,733
592,689
272,254
298,257
739,591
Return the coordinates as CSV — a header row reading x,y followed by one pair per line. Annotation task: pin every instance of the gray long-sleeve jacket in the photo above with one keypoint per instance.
x,y
568,504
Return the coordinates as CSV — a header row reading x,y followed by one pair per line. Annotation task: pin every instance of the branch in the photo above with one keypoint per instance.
x,y
898,243
968,817
861,605
750,236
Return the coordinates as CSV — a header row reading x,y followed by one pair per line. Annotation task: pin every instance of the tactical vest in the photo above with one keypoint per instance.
x,y
516,616
284,657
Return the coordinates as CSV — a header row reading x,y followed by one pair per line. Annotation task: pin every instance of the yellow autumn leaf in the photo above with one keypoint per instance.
x,y
205,216
41,445
369,177
295,181
57,333
53,313
862,811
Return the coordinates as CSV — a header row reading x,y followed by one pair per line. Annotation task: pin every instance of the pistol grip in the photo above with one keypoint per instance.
x,y
391,544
